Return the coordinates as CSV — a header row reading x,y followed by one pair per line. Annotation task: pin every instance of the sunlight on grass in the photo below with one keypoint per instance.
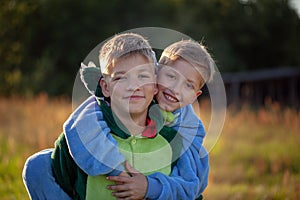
x,y
26,126
12,160
256,157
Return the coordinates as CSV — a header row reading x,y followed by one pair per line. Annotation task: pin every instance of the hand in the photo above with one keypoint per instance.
x,y
131,188
124,174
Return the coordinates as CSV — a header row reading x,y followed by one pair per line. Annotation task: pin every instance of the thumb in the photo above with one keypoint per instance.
x,y
130,169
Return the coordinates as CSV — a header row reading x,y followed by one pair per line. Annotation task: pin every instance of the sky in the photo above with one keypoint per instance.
x,y
296,4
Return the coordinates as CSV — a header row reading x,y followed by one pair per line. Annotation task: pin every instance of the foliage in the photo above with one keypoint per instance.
x,y
43,42
256,156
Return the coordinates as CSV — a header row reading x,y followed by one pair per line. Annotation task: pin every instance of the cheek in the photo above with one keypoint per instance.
x,y
155,89
189,97
117,90
162,85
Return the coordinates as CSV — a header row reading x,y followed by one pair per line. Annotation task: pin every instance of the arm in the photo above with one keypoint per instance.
x,y
187,181
91,145
189,176
190,128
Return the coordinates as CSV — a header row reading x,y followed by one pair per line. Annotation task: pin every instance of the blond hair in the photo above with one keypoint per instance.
x,y
123,45
194,53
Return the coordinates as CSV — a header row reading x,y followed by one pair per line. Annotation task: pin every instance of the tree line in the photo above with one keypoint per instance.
x,y
43,42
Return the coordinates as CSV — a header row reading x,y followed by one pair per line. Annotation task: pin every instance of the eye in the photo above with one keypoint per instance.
x,y
190,85
119,78
170,75
144,76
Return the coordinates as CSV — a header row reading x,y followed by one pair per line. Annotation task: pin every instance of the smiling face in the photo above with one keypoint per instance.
x,y
178,85
131,86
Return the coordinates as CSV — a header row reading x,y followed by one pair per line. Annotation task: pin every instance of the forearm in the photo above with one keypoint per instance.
x,y
91,145
188,179
96,158
190,128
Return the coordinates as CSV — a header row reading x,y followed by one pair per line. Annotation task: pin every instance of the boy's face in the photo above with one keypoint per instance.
x,y
131,85
178,85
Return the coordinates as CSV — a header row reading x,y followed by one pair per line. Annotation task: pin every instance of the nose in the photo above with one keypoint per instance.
x,y
132,84
177,86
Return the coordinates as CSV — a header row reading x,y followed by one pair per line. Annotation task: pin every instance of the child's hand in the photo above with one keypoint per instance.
x,y
134,187
124,174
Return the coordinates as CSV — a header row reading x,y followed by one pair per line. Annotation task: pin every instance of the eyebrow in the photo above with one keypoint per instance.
x,y
118,73
191,81
145,70
125,72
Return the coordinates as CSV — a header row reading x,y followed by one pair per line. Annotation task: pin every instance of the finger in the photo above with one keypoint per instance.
x,y
124,198
118,188
118,183
118,178
123,194
123,173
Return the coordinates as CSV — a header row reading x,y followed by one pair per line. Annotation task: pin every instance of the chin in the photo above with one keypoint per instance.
x,y
168,108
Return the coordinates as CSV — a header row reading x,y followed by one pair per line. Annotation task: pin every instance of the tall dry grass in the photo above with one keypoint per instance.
x,y
35,122
256,156
26,126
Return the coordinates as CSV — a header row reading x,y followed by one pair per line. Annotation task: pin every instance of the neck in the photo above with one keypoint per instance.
x,y
135,123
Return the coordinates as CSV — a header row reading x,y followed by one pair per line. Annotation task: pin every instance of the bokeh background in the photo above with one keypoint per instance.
x,y
255,44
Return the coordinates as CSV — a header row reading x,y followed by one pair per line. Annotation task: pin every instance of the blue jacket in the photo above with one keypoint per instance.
x,y
87,134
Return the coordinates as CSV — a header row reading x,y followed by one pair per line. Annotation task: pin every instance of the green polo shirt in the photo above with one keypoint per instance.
x,y
144,154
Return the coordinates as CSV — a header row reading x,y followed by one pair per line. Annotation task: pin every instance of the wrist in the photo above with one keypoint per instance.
x,y
154,188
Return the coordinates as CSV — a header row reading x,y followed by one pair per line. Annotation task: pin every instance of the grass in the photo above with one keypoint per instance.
x,y
26,126
12,160
256,156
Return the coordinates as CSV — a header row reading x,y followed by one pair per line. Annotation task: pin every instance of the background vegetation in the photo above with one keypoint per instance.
x,y
43,42
256,157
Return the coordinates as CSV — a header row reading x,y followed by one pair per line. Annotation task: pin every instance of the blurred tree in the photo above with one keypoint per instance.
x,y
15,34
43,42
244,35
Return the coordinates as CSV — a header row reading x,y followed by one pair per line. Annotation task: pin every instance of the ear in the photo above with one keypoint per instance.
x,y
104,87
196,95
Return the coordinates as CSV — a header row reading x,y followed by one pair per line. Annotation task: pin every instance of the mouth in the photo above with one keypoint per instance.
x,y
170,98
135,97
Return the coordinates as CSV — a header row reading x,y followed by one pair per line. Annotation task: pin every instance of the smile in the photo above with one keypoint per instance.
x,y
170,98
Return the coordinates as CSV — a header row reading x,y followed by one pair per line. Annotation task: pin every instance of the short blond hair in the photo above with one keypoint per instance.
x,y
123,45
194,53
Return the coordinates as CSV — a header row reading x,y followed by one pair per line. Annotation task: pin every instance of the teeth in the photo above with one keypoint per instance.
x,y
170,98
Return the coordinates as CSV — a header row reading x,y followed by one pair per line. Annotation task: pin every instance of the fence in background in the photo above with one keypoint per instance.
x,y
280,85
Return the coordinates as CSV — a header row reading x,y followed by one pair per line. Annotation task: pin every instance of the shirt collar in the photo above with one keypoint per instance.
x,y
150,130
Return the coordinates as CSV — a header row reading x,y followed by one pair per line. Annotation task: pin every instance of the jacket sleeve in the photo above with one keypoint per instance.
x,y
189,177
190,128
91,145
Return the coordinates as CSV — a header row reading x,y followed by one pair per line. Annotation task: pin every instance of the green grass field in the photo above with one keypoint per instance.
x,y
256,157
